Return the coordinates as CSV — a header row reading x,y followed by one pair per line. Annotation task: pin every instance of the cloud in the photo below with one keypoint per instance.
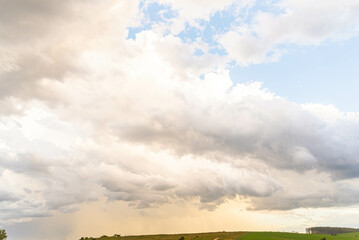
x,y
41,42
210,183
90,114
264,36
309,190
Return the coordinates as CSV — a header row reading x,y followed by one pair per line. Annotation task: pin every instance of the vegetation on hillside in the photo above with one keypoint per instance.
x,y
330,230
236,236
190,236
297,236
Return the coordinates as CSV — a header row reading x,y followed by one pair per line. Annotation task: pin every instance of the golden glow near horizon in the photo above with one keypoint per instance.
x,y
109,218
101,218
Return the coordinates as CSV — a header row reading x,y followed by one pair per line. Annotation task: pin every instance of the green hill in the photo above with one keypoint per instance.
x,y
190,236
236,236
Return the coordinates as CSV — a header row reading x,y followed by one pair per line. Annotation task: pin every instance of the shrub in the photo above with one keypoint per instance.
x,y
2,234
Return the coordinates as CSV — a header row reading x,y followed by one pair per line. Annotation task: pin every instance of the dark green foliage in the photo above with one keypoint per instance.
x,y
330,230
2,234
181,238
295,236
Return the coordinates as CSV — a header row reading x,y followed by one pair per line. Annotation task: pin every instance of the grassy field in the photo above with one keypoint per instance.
x,y
238,236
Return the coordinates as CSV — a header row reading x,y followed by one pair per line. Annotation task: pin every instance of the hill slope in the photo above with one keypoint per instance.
x,y
237,236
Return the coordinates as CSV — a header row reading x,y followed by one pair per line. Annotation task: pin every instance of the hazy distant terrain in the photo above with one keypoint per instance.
x,y
238,235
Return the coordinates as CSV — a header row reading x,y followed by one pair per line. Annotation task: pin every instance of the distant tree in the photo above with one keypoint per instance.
x,y
3,234
181,238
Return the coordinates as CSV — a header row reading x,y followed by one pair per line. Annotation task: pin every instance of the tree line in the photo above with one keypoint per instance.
x,y
330,230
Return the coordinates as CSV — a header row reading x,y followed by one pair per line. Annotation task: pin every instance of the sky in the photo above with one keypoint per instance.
x,y
161,116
